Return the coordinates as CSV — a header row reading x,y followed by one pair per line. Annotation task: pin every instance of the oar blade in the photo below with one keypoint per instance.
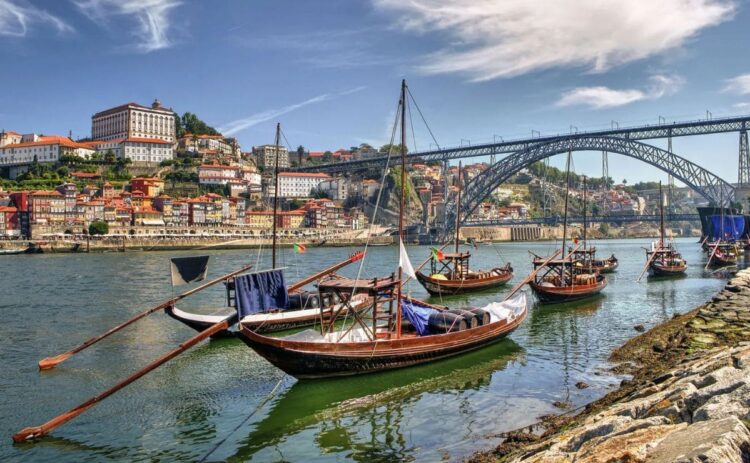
x,y
51,362
27,434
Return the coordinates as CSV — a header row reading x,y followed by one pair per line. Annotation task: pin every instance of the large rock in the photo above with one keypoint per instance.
x,y
720,441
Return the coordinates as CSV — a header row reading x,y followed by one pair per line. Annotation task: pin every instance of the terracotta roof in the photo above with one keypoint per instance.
x,y
49,140
8,209
147,140
45,193
85,175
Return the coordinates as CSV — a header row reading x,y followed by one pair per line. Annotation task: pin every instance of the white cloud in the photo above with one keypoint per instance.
x,y
233,127
604,97
741,105
16,18
151,16
505,38
739,85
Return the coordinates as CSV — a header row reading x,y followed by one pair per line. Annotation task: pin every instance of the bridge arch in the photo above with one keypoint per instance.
x,y
707,184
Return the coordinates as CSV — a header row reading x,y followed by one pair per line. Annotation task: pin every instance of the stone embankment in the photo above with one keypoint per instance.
x,y
688,400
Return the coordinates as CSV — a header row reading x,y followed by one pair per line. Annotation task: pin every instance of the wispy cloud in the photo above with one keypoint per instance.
x,y
741,105
504,38
328,49
601,97
233,127
739,85
152,18
16,19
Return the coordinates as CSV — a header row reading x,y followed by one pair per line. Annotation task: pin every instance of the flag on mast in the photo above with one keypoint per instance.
x,y
300,248
404,262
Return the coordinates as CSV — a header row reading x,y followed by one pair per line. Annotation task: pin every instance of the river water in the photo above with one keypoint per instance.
x,y
441,411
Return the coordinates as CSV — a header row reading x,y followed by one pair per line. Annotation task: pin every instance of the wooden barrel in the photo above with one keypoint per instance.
x,y
482,315
471,320
304,300
444,322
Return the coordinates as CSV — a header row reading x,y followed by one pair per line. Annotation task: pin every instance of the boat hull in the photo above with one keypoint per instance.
x,y
200,323
656,270
310,360
437,287
554,294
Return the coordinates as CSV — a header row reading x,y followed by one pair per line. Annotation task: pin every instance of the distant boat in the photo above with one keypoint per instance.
x,y
569,278
12,252
663,259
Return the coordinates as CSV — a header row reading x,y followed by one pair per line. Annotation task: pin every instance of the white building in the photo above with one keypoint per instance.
x,y
9,137
265,156
42,149
132,120
299,184
138,150
336,188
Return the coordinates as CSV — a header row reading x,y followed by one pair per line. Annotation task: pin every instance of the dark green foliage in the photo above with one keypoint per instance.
x,y
98,227
189,123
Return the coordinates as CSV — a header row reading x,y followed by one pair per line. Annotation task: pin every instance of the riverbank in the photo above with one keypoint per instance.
x,y
688,399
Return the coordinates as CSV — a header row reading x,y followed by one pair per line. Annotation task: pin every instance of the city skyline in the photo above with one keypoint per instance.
x,y
329,70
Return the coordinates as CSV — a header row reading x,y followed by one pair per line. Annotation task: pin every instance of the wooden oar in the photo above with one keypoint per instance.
x,y
425,263
353,258
531,275
716,248
40,431
648,263
51,362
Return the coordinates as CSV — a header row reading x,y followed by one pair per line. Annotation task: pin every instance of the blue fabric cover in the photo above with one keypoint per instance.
x,y
260,292
417,316
732,228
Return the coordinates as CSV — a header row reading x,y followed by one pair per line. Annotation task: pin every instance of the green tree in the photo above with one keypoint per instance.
x,y
393,149
98,227
63,171
191,124
604,228
327,156
109,157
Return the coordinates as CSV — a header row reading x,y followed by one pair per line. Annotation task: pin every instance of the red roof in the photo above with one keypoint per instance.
x,y
304,174
8,209
147,140
49,140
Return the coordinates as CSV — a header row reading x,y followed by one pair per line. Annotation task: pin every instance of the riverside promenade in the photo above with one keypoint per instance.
x,y
688,399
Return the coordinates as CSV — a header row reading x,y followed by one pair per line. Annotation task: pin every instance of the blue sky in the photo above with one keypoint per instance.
x,y
329,70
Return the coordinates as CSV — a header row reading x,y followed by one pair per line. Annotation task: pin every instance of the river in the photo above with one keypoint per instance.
x,y
444,410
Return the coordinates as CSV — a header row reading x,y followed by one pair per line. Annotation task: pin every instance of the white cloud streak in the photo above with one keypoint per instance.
x,y
604,97
739,85
504,38
233,127
16,19
151,17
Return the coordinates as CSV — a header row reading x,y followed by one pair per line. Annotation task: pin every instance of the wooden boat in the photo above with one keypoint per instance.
x,y
662,259
570,278
450,272
399,332
12,252
721,254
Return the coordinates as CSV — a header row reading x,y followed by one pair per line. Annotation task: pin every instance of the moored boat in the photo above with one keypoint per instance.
x,y
663,259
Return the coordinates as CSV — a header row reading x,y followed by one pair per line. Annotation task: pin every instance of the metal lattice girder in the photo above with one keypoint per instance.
x,y
708,185
677,129
590,219
743,177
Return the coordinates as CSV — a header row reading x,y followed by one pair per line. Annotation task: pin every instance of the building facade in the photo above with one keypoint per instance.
x,y
265,156
132,120
300,184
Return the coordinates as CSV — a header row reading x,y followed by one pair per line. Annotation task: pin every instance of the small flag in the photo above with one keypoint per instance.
x,y
188,269
437,254
299,248
575,240
404,262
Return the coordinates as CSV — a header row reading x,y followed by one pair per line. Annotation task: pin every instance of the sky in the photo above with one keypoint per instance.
x,y
329,70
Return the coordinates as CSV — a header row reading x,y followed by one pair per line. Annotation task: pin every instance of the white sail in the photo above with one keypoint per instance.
x,y
404,262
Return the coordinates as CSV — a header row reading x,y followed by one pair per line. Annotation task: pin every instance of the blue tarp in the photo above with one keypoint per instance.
x,y
731,228
417,316
260,292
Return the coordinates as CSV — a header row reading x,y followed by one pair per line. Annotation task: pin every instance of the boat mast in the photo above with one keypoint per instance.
x,y
458,206
584,214
661,218
275,194
402,103
565,215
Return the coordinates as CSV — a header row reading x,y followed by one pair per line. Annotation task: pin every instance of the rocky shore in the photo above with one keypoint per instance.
x,y
688,399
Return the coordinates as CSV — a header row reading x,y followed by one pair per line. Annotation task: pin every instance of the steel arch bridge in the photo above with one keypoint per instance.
x,y
707,184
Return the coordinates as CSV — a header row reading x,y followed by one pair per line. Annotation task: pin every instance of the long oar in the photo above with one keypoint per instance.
x,y
531,275
40,431
353,258
648,263
424,263
710,257
51,362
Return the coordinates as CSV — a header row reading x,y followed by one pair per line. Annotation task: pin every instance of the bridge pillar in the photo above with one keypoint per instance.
x,y
743,176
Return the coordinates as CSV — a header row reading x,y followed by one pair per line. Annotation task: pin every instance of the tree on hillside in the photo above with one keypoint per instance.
x,y
189,123
327,156
393,149
110,157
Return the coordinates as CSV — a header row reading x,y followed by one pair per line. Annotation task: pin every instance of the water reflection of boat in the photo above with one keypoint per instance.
x,y
376,400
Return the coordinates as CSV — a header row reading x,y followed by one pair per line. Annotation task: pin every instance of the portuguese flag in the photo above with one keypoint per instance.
x,y
437,254
299,248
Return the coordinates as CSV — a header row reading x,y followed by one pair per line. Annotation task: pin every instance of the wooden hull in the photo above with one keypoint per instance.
x,y
658,270
608,267
555,294
200,323
307,360
437,287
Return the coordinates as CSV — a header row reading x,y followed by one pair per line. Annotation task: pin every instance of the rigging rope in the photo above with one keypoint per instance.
x,y
245,420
